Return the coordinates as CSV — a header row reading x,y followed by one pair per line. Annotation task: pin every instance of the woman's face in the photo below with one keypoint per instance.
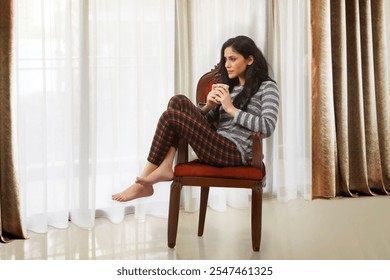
x,y
236,64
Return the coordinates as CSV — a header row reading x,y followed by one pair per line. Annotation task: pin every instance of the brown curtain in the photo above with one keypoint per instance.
x,y
350,99
10,220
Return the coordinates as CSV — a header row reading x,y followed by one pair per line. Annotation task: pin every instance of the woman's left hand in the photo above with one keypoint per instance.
x,y
223,97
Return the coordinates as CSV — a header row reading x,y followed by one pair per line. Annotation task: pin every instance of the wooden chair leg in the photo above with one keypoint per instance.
x,y
204,196
257,202
173,214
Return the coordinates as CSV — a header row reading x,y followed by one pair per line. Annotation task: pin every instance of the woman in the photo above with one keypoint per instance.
x,y
245,101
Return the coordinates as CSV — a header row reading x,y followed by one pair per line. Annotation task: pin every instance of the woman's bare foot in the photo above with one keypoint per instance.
x,y
133,192
161,174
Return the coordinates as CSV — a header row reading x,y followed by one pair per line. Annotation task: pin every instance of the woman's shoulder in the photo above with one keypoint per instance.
x,y
268,86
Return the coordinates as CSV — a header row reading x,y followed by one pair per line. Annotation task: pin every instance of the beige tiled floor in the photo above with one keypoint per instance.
x,y
337,229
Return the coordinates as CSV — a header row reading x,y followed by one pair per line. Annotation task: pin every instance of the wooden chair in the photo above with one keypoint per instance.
x,y
206,176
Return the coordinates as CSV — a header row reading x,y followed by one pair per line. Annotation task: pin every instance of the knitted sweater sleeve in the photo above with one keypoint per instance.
x,y
262,113
212,115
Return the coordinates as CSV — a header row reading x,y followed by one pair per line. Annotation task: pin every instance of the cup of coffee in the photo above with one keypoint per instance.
x,y
224,85
220,85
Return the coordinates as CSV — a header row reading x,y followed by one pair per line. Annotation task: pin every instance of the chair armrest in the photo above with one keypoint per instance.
x,y
257,150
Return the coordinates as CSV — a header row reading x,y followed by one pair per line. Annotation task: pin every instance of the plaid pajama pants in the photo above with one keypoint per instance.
x,y
183,119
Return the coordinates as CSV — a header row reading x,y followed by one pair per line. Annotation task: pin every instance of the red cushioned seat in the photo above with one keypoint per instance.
x,y
196,169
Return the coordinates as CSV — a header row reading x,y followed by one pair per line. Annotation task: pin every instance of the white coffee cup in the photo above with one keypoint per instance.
x,y
220,85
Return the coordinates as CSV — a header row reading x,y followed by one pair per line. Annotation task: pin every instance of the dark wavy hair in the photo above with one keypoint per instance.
x,y
255,74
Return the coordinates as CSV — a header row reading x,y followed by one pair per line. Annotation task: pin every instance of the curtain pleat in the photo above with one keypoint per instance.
x,y
358,181
324,153
373,166
10,218
382,90
357,86
339,59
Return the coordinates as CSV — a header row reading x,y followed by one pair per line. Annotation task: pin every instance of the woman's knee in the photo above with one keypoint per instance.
x,y
166,118
176,101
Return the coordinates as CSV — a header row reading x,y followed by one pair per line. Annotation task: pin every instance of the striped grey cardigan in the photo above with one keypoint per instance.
x,y
261,116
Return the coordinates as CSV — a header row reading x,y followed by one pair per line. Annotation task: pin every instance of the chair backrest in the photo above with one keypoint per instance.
x,y
205,83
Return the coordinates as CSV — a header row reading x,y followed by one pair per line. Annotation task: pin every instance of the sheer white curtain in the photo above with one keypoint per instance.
x,y
290,58
91,79
280,29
